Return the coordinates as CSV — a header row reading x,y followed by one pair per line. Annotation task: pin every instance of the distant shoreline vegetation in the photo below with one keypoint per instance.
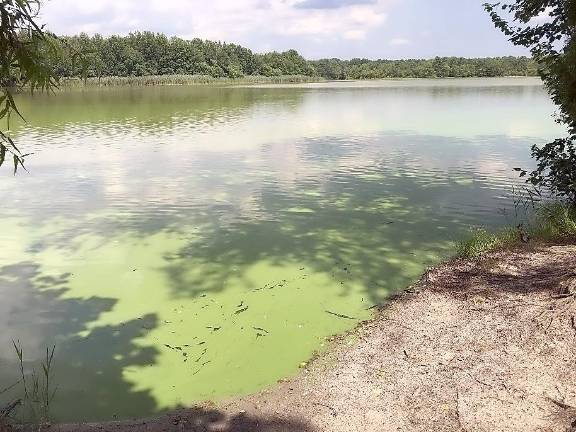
x,y
121,60
176,79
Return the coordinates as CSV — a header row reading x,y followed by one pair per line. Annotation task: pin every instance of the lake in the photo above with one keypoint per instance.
x,y
180,244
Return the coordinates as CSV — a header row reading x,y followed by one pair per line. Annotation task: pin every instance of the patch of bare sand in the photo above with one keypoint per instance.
x,y
475,346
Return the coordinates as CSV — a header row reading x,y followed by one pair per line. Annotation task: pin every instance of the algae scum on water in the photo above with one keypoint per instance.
x,y
180,244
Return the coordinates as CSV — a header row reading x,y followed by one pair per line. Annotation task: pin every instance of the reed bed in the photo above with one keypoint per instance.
x,y
160,80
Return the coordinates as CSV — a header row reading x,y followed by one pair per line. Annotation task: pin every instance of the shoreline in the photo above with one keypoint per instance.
x,y
200,80
449,330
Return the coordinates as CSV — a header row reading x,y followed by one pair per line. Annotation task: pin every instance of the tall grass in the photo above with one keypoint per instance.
x,y
37,391
160,80
551,222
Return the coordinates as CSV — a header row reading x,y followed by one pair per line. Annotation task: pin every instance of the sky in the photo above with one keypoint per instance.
x,y
315,28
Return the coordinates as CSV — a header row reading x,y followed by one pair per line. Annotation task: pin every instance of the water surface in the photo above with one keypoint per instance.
x,y
180,244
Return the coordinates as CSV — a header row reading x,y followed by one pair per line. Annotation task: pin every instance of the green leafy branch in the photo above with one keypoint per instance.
x,y
24,63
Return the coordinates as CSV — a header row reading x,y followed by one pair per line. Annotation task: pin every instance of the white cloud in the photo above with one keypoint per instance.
x,y
355,34
399,42
366,16
228,20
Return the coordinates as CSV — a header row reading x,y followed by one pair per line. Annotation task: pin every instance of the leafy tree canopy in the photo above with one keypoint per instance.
x,y
23,62
548,29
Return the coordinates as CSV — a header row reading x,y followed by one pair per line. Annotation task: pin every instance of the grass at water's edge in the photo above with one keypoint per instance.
x,y
154,80
553,221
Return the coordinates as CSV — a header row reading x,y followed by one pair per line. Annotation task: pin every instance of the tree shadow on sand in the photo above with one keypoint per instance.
x,y
198,419
522,274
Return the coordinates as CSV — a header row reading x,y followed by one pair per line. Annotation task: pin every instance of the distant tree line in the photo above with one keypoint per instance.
x,y
439,67
147,53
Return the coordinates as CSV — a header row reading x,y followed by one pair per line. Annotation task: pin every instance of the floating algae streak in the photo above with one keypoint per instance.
x,y
181,244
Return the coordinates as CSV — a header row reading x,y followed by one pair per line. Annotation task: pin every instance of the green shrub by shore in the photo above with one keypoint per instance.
x,y
551,222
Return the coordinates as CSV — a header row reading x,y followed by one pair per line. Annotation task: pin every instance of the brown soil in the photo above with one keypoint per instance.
x,y
488,345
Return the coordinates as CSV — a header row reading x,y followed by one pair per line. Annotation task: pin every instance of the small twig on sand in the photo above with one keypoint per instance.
x,y
333,410
478,381
458,411
397,322
559,403
549,324
472,376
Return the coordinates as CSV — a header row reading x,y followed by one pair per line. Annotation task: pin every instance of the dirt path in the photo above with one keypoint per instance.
x,y
486,346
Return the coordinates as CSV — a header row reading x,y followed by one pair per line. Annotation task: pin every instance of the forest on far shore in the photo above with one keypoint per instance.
x,y
147,53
